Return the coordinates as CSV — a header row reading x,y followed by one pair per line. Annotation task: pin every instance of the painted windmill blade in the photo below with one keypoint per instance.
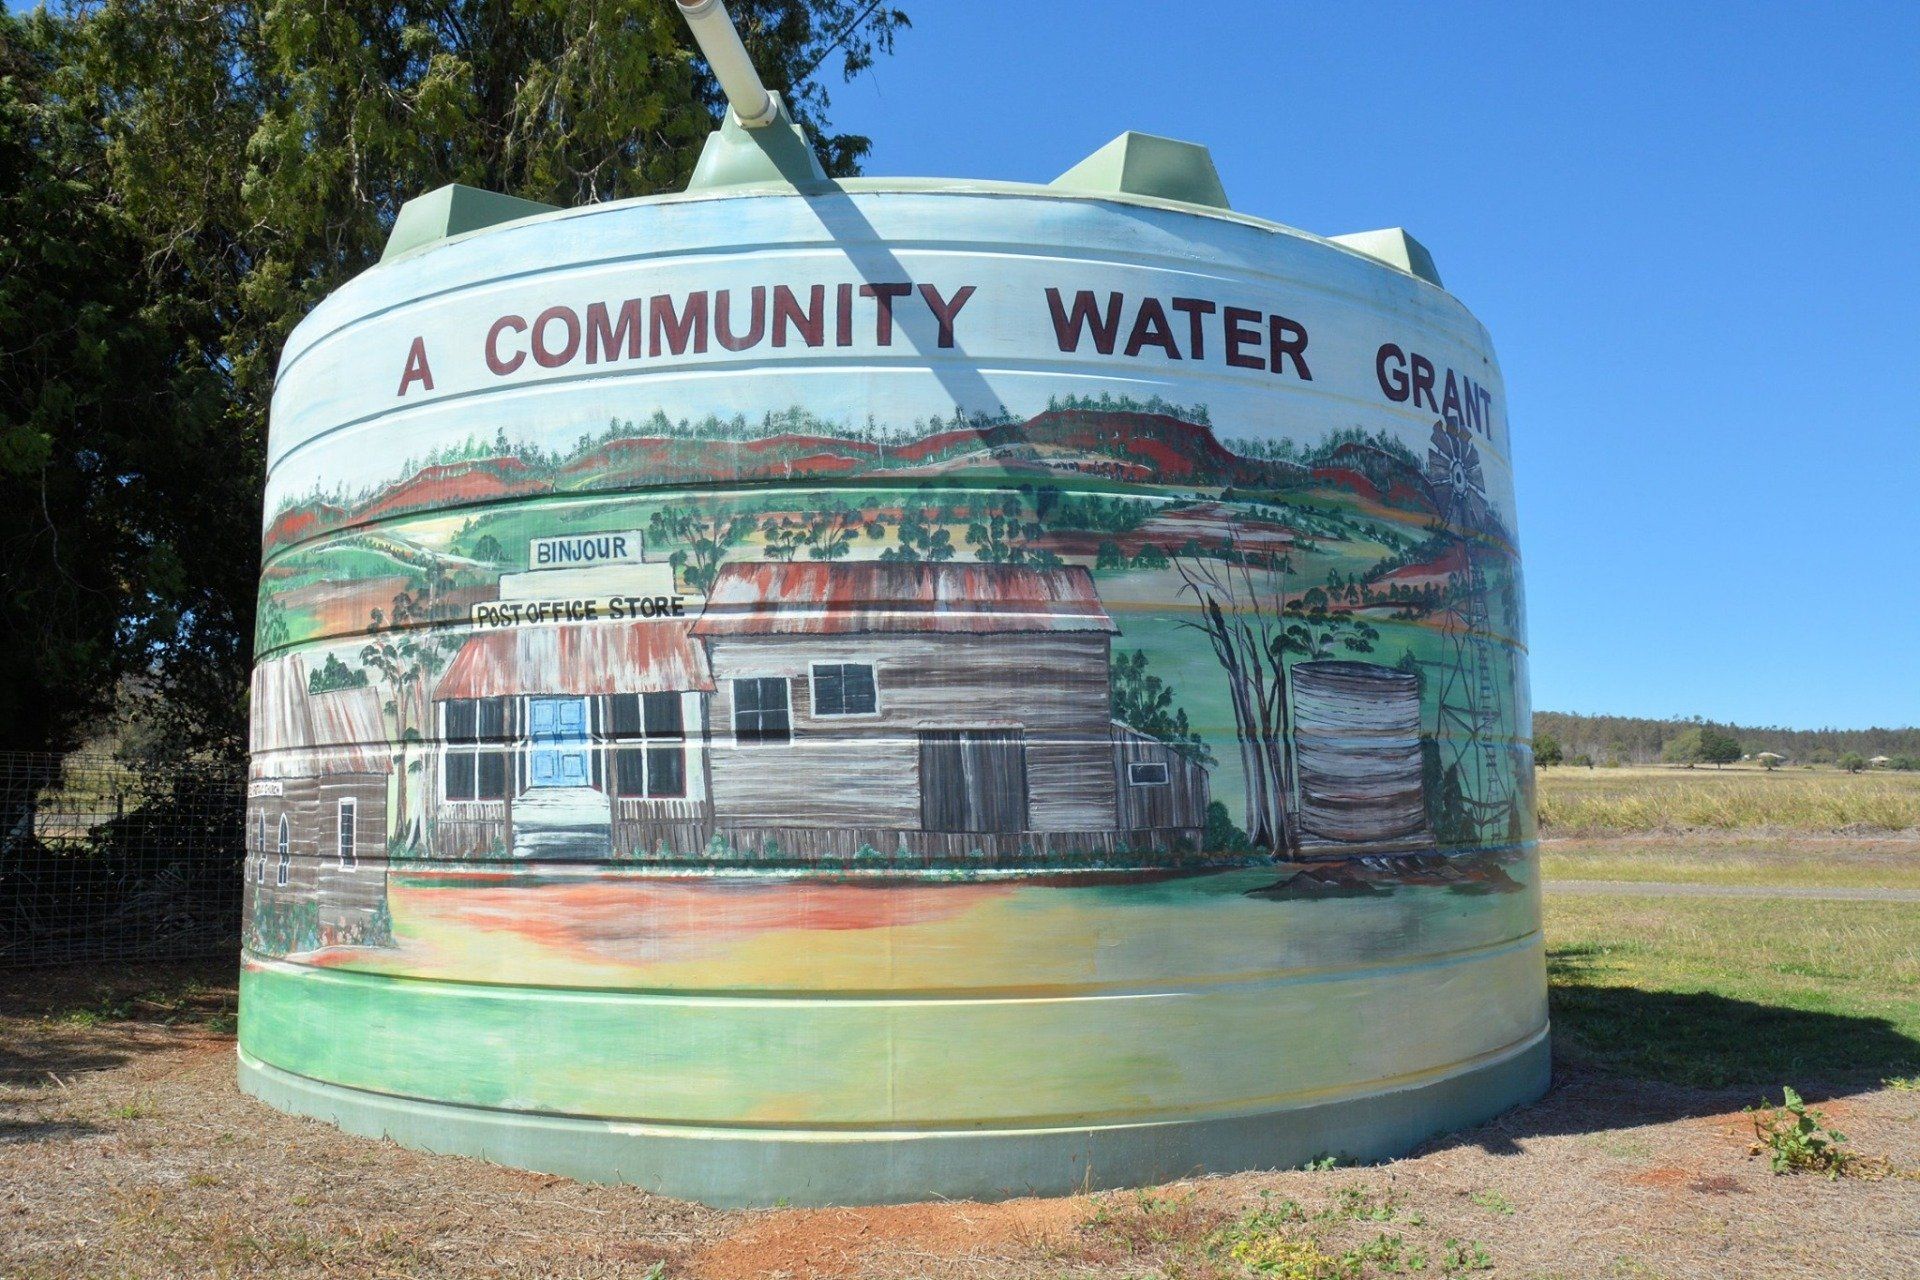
x,y
831,691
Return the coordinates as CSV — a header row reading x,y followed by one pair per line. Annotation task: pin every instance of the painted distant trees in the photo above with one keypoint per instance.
x,y
335,674
826,532
916,538
1143,702
833,526
1006,535
1315,633
704,538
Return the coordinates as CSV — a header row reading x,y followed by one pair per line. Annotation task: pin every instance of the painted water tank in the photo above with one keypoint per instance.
x,y
826,692
1356,738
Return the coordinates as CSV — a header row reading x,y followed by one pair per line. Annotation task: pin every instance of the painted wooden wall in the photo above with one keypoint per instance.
x,y
1054,686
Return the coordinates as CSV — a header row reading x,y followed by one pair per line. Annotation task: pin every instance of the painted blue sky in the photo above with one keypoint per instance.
x,y
1691,229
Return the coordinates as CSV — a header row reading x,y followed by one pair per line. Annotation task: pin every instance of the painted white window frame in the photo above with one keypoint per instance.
x,y
813,700
1166,773
284,847
346,823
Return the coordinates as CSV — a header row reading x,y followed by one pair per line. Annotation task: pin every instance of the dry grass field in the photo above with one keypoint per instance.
x,y
1680,997
1576,801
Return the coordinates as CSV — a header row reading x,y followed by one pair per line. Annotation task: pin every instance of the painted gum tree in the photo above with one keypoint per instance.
x,y
1257,633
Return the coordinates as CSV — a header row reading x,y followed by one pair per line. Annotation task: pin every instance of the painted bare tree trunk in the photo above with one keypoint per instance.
x,y
1242,619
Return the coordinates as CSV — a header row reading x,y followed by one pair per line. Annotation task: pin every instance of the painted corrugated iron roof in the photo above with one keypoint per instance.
x,y
297,734
584,658
809,598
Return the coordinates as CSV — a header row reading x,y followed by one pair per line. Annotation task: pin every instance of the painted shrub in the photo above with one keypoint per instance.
x,y
957,609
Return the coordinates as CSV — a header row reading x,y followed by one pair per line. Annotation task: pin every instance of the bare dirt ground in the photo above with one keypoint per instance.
x,y
125,1150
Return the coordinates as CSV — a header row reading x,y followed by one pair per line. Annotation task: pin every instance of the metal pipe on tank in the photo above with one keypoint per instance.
x,y
752,104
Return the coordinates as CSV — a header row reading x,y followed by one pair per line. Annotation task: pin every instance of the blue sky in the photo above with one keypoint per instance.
x,y
1693,230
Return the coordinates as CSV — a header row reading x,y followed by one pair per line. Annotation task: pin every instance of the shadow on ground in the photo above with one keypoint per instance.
x,y
1625,1057
1713,1041
12,1131
57,1022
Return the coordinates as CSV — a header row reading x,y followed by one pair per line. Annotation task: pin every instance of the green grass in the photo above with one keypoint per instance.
x,y
1600,801
1736,991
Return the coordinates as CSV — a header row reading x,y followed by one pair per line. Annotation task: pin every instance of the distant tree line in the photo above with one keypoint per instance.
x,y
1577,739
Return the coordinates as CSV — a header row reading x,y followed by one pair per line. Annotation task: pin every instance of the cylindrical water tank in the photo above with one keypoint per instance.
x,y
820,693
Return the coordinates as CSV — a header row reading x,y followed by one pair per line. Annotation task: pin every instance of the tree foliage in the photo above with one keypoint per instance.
x,y
182,180
1638,740
103,406
1701,744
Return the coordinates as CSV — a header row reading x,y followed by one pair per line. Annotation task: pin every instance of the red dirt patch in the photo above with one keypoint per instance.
x,y
1697,1181
824,1243
1717,1184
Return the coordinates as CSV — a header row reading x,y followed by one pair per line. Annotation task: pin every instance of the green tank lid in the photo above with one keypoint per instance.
x,y
1141,164
454,210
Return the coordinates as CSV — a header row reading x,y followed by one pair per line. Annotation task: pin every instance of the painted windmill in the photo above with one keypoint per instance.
x,y
1473,742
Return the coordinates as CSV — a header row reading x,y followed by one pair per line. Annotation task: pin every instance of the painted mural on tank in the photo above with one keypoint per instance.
x,y
1099,637
873,673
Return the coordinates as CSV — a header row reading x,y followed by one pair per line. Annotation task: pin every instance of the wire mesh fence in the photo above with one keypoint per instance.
x,y
101,861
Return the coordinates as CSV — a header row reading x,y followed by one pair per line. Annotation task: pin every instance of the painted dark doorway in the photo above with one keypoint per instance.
x,y
557,728
973,780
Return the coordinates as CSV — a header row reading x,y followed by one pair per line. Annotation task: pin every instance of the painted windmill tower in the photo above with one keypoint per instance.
x,y
1475,681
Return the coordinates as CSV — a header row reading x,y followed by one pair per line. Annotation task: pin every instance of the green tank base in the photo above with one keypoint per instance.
x,y
741,1168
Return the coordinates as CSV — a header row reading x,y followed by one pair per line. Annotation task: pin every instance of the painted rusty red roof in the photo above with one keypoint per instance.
x,y
584,658
297,734
810,598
